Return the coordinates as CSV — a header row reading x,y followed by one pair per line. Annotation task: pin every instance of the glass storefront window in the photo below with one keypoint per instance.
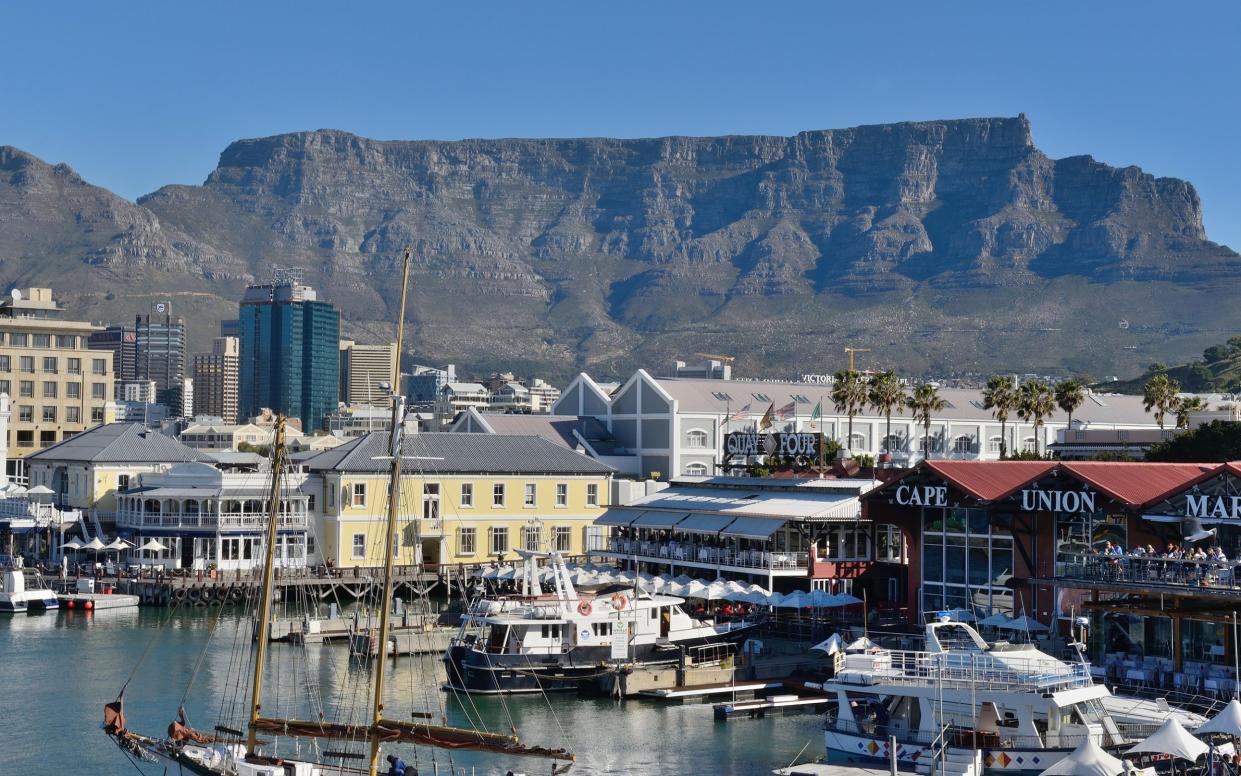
x,y
965,562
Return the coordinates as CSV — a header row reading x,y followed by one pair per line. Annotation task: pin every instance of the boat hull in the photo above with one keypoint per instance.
x,y
474,671
865,750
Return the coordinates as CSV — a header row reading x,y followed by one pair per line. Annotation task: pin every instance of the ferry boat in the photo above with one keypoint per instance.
x,y
540,642
1021,709
15,597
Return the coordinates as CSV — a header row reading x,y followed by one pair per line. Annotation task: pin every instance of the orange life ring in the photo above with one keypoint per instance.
x,y
619,602
584,608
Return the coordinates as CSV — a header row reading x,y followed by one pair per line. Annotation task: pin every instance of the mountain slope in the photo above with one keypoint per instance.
x,y
942,245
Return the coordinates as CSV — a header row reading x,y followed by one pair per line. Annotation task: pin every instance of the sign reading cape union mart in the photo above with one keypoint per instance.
x,y
747,443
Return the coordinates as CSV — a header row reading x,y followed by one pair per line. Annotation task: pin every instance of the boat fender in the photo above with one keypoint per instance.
x,y
619,602
584,608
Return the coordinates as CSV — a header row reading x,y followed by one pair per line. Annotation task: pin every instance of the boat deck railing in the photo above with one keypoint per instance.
x,y
963,670
960,736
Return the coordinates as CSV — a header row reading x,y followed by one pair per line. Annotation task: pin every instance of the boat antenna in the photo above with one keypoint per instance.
x,y
269,570
394,497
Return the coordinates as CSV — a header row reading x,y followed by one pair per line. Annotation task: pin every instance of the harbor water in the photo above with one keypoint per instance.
x,y
58,670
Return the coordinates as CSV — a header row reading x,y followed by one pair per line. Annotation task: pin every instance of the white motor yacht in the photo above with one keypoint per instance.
x,y
16,597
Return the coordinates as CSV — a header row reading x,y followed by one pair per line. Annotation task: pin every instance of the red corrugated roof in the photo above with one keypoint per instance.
x,y
1137,483
990,480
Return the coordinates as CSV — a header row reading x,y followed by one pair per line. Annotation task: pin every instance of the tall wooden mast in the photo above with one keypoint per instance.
x,y
269,572
394,502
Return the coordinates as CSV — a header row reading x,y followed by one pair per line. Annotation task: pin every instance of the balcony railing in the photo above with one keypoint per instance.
x,y
701,554
229,521
1147,571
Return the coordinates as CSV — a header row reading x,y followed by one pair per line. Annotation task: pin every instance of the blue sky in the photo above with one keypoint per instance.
x,y
135,95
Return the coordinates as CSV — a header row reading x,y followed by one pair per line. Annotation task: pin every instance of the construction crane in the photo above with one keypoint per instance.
x,y
851,351
717,357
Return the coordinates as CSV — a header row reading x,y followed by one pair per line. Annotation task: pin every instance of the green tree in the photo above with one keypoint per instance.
x,y
1160,396
849,396
1070,395
924,403
1214,442
1215,353
1187,405
1234,345
1035,401
1001,398
1199,377
886,395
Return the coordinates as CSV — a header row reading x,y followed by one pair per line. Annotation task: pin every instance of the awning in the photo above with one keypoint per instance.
x,y
617,517
653,519
699,522
754,527
20,529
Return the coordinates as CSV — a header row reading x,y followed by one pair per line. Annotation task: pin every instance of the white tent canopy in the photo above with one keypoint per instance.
x,y
1023,623
996,620
94,544
1088,759
859,645
152,545
117,544
831,645
1228,721
1171,739
72,544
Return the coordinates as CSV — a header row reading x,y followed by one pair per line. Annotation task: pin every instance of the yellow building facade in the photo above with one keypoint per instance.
x,y
458,505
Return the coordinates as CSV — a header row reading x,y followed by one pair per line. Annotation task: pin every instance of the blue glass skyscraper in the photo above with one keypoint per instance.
x,y
290,344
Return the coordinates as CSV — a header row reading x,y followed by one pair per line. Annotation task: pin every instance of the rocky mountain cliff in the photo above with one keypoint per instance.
x,y
946,244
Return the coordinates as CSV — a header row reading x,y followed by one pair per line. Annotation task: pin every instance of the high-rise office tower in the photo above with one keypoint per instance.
x,y
362,369
161,354
216,376
122,342
290,353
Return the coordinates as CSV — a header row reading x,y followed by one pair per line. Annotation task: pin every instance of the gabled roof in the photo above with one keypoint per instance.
x,y
1138,483
990,480
459,453
558,429
120,443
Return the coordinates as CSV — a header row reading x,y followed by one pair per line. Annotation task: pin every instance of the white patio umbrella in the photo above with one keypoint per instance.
x,y
995,620
683,579
1088,759
859,645
831,645
1023,623
94,545
1171,739
72,544
1228,721
844,599
739,595
116,545
152,545
795,600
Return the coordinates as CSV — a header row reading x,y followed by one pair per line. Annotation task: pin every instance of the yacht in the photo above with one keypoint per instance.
x,y
1019,709
542,641
16,597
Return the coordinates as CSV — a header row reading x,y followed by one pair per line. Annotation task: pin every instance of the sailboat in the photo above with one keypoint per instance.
x,y
230,751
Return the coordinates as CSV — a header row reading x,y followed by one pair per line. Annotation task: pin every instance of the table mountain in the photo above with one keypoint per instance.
x,y
942,245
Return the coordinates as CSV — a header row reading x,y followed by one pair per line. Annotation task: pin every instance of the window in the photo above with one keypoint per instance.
x,y
359,546
530,538
73,390
25,438
49,414
25,413
592,494
96,414
499,540
42,340
47,438
329,494
310,502
122,482
19,340
99,366
467,540
994,443
99,390
27,363
6,387
857,441
562,494
530,494
67,341
560,538
888,540
49,364
49,389
1027,444
431,501
696,438
5,364
696,469
963,444
27,388
497,494
73,414
74,366
467,494
359,494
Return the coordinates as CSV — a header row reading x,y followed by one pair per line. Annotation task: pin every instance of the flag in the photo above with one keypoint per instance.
x,y
817,415
739,414
768,417
787,411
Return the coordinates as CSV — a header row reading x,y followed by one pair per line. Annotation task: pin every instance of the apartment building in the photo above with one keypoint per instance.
x,y
362,369
216,376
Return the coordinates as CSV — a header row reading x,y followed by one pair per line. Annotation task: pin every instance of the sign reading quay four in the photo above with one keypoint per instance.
x,y
747,443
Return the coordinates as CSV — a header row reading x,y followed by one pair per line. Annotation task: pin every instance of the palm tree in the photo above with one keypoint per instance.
x,y
1070,394
887,395
1001,398
1187,405
1035,401
849,396
924,403
1160,394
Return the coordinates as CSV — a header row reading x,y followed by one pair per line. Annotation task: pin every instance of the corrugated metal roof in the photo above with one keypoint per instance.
x,y
754,527
554,428
733,501
456,453
990,480
120,443
1136,483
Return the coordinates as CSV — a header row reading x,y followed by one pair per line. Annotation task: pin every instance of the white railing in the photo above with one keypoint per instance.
x,y
691,553
43,515
966,671
206,520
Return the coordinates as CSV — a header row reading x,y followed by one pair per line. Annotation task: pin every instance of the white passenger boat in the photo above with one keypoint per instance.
x,y
16,597
556,640
1022,708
